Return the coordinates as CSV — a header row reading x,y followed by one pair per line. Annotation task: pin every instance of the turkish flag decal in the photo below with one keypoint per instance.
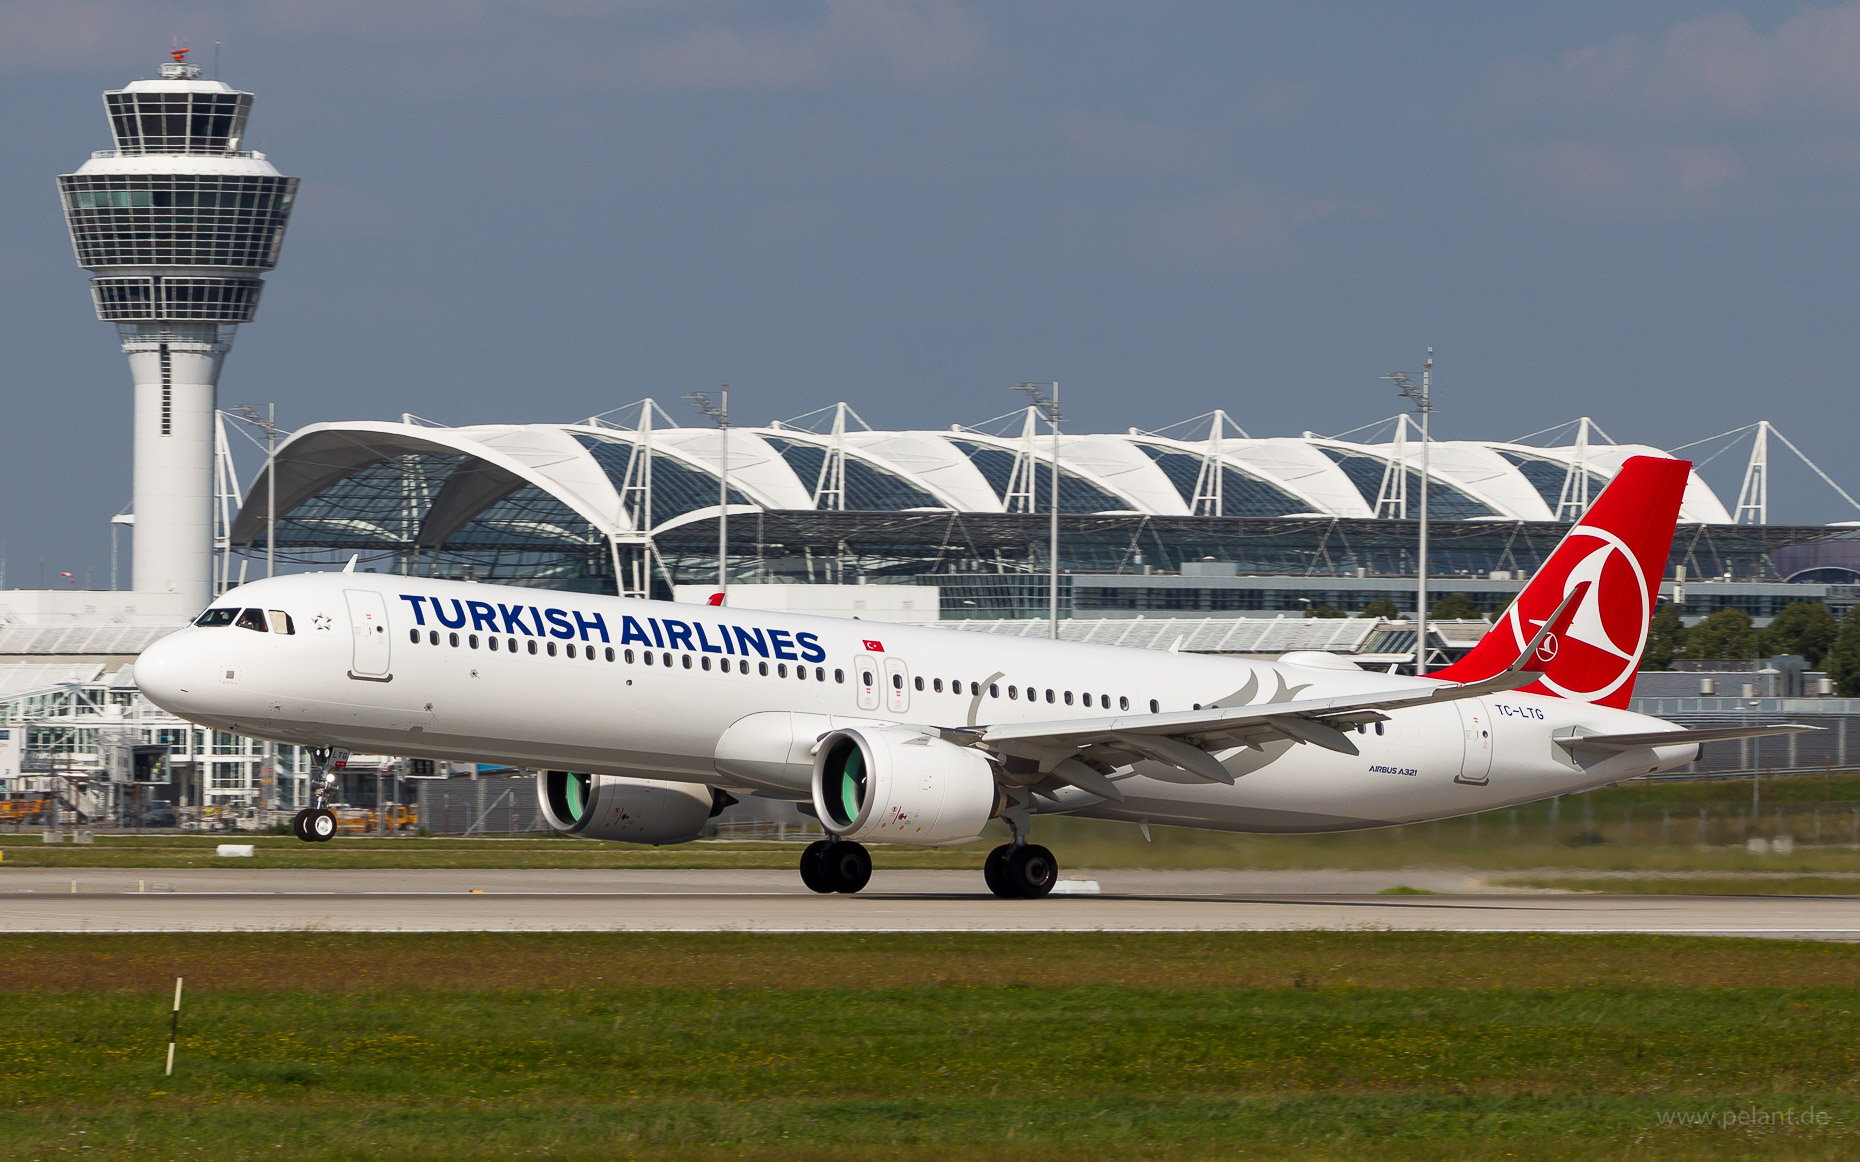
x,y
875,647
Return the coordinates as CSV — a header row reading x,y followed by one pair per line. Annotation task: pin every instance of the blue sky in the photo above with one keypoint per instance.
x,y
527,211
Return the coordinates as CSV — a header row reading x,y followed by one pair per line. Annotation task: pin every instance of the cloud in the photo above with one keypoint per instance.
x,y
1587,179
1250,222
454,45
1715,66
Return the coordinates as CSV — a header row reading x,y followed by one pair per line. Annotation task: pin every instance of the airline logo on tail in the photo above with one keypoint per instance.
x,y
1616,556
1600,650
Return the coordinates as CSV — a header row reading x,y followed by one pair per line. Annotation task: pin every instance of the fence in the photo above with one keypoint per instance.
x,y
1834,747
1577,821
498,805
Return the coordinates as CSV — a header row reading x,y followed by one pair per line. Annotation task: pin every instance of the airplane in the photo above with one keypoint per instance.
x,y
645,718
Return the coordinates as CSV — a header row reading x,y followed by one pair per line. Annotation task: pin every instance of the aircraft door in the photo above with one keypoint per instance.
x,y
897,686
1476,727
866,674
368,625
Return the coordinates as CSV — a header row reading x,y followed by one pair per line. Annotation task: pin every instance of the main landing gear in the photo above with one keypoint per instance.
x,y
836,865
1020,871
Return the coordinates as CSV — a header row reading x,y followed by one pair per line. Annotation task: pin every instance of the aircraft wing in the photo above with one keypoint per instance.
x,y
1083,752
1675,737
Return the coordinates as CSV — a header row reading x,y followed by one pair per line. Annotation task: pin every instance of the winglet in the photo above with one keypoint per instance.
x,y
1537,653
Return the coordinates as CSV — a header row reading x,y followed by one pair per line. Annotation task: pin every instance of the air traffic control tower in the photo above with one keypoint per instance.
x,y
177,223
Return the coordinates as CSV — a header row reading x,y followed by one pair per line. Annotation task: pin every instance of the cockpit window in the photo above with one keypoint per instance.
x,y
252,619
216,617
281,622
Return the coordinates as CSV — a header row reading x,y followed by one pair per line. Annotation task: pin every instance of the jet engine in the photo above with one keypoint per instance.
x,y
892,784
627,810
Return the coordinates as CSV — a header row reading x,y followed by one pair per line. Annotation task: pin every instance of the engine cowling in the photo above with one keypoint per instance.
x,y
626,810
891,784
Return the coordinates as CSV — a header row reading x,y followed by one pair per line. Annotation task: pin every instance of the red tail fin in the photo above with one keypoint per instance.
x,y
1620,548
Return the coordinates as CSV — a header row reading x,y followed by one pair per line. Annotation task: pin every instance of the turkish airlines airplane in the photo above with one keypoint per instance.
x,y
645,718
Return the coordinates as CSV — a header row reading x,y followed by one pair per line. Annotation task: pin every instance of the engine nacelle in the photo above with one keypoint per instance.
x,y
626,810
892,784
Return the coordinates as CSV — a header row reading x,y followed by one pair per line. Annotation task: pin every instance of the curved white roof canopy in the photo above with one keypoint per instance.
x,y
378,482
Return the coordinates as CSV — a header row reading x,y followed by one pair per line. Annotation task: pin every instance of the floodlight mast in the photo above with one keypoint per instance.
x,y
1048,406
721,413
1423,403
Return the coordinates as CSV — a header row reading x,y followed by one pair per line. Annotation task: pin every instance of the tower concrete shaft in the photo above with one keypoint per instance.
x,y
177,223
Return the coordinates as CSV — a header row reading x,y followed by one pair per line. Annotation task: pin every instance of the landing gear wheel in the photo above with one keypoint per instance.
x,y
1030,871
320,825
814,868
297,826
994,870
849,865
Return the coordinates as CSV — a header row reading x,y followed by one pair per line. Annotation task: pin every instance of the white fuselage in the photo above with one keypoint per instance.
x,y
371,668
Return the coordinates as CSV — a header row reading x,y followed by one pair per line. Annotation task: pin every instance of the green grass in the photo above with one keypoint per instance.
x,y
1709,885
1294,1045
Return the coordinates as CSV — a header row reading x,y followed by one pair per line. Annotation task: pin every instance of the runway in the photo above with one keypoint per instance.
x,y
261,900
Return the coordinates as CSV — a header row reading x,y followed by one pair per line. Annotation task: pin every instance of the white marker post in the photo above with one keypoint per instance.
x,y
174,1027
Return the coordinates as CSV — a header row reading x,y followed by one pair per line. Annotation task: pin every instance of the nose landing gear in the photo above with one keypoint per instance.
x,y
836,865
318,824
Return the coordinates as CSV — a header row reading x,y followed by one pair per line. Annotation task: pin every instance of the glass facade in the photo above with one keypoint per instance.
x,y
177,219
1241,494
1076,495
868,488
138,298
1444,502
677,487
1547,477
178,122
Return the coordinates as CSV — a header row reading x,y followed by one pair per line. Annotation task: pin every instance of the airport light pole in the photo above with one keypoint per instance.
x,y
269,423
1424,404
1048,406
721,413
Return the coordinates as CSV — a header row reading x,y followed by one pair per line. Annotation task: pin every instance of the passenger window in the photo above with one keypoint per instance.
x,y
1013,693
454,638
937,685
281,622
570,649
839,676
472,641
629,657
687,658
865,677
413,635
511,644
1068,697
214,618
610,653
1123,703
1049,695
781,670
994,690
647,657
253,619
532,647
820,673
551,648
897,681
800,672
433,636
762,669
1155,707
491,643
920,683
707,663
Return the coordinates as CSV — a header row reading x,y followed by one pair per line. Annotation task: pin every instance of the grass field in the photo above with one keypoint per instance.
x,y
1294,1045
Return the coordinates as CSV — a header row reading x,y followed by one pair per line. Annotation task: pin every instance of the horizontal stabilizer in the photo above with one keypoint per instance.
x,y
1679,737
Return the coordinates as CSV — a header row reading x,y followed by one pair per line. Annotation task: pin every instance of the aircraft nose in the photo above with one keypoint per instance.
x,y
166,672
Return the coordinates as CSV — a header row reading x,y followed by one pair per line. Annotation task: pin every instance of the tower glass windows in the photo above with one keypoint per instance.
x,y
177,219
177,122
